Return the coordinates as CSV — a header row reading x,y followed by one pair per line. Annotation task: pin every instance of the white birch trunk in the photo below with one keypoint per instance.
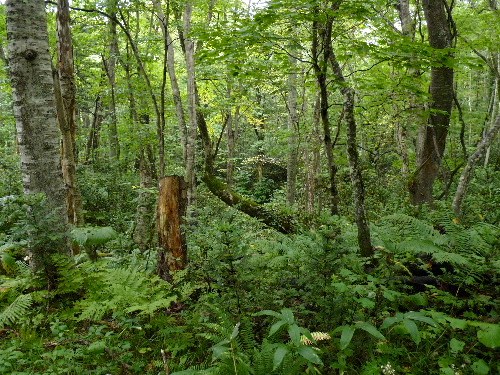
x,y
35,112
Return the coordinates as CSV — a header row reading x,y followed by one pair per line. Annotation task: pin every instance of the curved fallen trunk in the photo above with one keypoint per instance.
x,y
280,221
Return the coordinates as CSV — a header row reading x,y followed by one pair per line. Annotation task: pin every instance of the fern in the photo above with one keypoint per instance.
x,y
465,249
124,291
16,311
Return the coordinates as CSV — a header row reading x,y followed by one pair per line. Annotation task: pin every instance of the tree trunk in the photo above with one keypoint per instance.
x,y
364,237
170,61
111,73
313,164
192,112
232,135
94,134
293,129
36,123
432,148
474,159
282,222
495,95
172,253
323,31
144,218
65,90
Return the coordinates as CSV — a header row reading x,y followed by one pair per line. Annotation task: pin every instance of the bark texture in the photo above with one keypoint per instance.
x,y
474,159
434,135
111,73
322,36
293,128
65,89
192,105
172,254
36,122
364,236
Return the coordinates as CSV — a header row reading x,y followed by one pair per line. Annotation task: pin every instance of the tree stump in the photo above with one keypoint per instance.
x,y
172,202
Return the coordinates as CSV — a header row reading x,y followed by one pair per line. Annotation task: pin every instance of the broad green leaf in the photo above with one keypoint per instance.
x,y
489,336
294,332
391,320
287,315
421,318
268,313
365,326
456,346
276,326
235,332
219,350
346,336
93,236
412,330
310,354
457,323
279,355
480,367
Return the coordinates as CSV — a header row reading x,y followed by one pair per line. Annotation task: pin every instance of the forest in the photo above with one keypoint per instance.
x,y
249,187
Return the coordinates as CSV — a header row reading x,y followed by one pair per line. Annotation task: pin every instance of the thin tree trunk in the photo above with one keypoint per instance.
x,y
320,68
65,90
495,105
170,64
111,73
293,129
364,237
232,136
36,123
94,134
313,168
408,30
474,159
192,112
144,218
433,144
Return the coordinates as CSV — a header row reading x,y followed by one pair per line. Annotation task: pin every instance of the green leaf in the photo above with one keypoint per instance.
x,y
368,327
310,354
276,326
412,330
268,313
97,347
489,336
456,346
294,332
93,236
219,350
391,320
235,332
346,336
457,323
421,318
279,355
480,367
287,315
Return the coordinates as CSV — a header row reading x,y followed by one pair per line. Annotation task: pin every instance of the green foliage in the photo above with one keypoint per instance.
x,y
16,311
123,292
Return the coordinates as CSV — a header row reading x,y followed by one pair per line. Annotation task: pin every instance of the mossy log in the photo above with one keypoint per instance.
x,y
280,221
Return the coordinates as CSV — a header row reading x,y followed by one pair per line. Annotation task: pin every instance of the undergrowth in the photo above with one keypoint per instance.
x,y
256,302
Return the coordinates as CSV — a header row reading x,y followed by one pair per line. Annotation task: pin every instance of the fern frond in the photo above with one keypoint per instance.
x,y
317,336
16,311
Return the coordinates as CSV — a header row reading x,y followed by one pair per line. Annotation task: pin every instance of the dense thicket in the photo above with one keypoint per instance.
x,y
342,188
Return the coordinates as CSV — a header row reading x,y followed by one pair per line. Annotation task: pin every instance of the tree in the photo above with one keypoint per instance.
x,y
432,142
65,89
36,121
